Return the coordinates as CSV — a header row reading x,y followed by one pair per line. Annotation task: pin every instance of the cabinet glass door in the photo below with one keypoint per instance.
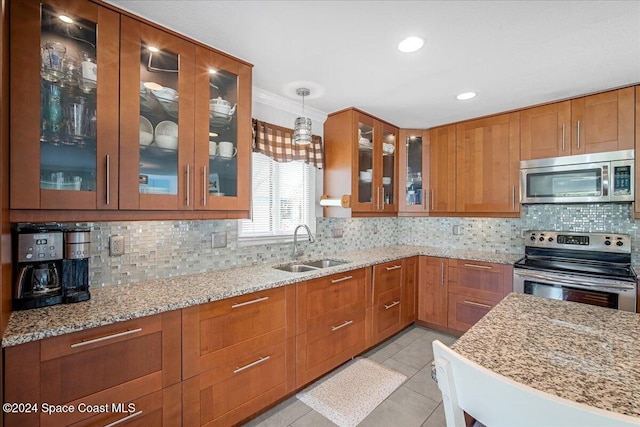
x,y
365,171
413,170
388,184
59,158
159,116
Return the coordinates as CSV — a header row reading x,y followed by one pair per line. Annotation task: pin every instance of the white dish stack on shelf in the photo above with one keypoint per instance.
x,y
146,131
167,135
366,176
388,149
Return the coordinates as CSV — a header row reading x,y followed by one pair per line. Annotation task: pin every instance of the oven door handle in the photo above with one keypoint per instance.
x,y
592,284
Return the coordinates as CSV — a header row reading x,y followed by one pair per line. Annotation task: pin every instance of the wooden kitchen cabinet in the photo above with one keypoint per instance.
x,y
413,176
237,356
433,290
388,299
442,170
589,124
361,160
474,288
63,151
410,291
137,361
487,165
332,322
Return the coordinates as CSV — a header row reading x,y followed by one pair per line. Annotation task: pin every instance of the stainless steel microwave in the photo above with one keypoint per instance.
x,y
585,178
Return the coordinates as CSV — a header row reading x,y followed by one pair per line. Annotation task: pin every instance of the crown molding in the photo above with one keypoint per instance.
x,y
286,104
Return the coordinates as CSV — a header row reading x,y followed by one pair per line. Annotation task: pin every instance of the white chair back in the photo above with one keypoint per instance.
x,y
497,401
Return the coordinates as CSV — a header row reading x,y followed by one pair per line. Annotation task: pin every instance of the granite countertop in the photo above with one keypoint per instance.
x,y
116,303
580,352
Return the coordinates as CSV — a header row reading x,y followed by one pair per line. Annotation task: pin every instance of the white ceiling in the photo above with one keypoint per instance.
x,y
512,53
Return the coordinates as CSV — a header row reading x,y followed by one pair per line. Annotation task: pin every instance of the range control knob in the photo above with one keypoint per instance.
x,y
550,239
619,243
533,238
542,239
607,242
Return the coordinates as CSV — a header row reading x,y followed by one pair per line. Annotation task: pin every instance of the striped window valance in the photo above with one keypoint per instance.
x,y
277,142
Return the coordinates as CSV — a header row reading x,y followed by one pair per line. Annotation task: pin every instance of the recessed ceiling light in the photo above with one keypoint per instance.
x,y
65,19
153,49
410,44
466,95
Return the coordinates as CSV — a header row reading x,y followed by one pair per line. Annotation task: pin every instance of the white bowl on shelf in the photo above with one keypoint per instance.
x,y
167,142
166,93
145,138
386,180
365,176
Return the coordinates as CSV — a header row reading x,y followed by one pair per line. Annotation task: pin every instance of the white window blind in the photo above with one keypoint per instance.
x,y
282,199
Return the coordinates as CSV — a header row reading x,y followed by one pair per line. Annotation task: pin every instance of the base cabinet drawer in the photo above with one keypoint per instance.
x,y
229,393
387,316
465,311
325,347
121,362
480,279
386,277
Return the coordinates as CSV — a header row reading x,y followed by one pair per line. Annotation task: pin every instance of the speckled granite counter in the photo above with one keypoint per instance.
x,y
111,304
580,352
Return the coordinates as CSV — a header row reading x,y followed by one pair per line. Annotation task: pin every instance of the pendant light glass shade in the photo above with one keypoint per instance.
x,y
302,125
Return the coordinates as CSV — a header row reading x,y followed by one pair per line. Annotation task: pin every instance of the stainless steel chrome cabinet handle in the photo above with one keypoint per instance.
x,y
433,199
393,304
477,304
253,301
205,184
346,323
188,177
106,337
252,364
563,137
578,134
108,176
513,198
342,279
485,267
424,199
382,191
442,273
122,420
395,267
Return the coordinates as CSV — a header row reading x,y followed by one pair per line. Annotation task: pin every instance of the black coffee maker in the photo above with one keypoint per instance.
x,y
75,265
38,257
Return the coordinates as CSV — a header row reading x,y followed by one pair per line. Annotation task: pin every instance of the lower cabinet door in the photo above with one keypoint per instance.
x,y
465,311
323,348
162,408
387,316
232,392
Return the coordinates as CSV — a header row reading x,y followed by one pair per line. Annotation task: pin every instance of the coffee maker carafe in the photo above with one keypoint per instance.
x,y
38,266
75,265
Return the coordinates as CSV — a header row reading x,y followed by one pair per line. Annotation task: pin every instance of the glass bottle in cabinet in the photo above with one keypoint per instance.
x,y
222,133
156,120
64,104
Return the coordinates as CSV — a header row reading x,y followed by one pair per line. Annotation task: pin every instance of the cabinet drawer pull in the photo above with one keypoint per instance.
x,y
252,364
205,185
477,304
108,177
122,420
106,337
395,267
253,301
393,304
485,267
346,323
342,279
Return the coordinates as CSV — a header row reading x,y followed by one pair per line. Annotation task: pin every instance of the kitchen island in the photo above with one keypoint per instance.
x,y
579,352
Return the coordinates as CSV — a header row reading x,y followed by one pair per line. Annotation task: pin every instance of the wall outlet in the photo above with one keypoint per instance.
x,y
116,245
337,232
375,228
219,240
456,230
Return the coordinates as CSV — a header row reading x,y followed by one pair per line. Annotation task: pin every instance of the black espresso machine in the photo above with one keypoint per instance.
x,y
51,265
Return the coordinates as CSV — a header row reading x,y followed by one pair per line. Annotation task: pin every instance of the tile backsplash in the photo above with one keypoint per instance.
x,y
156,249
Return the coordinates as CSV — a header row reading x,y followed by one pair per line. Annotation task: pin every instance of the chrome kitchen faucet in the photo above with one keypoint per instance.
x,y
297,252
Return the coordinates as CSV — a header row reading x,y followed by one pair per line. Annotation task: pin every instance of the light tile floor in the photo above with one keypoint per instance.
x,y
417,402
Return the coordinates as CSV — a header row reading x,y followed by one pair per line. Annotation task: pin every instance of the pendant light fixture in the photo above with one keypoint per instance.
x,y
302,126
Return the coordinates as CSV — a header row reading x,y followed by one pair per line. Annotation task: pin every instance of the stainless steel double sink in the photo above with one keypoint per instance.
x,y
299,267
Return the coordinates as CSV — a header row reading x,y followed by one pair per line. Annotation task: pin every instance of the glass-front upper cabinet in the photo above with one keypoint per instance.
x,y
388,201
64,105
157,116
413,155
222,133
367,197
